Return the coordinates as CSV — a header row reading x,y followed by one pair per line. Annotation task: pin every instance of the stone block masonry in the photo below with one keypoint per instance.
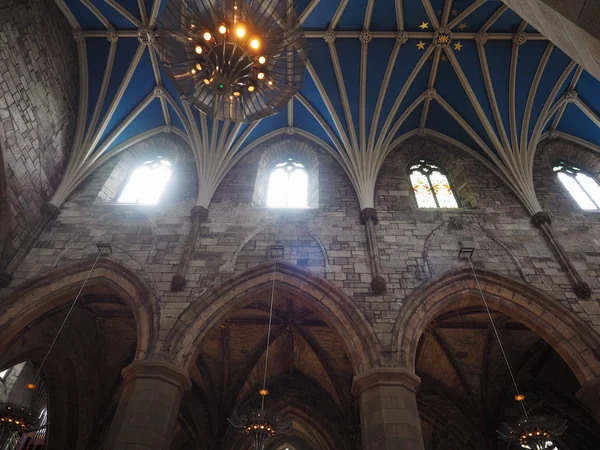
x,y
414,244
39,92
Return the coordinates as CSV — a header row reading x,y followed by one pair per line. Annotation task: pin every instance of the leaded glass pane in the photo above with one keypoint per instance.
x,y
422,190
576,191
146,183
288,186
591,187
442,190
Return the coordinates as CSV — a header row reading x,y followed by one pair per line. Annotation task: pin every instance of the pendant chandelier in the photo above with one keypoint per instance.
x,y
261,424
530,432
238,60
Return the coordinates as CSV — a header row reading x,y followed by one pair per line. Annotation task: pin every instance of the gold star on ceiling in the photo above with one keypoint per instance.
x,y
424,25
462,26
444,58
458,46
439,13
454,11
421,45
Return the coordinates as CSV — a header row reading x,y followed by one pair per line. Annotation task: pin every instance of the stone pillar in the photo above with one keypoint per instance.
x,y
388,409
368,217
49,213
147,413
589,395
543,222
199,215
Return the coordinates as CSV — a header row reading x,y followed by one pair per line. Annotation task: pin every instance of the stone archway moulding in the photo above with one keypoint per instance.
x,y
44,294
216,304
571,338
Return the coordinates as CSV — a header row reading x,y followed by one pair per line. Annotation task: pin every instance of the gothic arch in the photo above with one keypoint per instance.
x,y
334,307
571,338
38,296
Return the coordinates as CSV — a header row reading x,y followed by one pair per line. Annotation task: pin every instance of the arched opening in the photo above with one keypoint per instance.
x,y
466,394
82,373
317,346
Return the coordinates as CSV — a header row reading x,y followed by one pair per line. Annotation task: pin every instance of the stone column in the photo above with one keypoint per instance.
x,y
589,395
147,413
368,217
388,409
543,222
49,213
199,215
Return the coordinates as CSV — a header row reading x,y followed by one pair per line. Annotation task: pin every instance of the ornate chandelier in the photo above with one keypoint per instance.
x,y
262,424
533,433
238,60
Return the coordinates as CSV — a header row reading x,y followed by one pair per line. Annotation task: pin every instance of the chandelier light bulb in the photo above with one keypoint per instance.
x,y
222,29
207,36
198,49
262,59
237,94
198,66
206,81
31,386
193,71
255,44
250,88
260,75
240,31
270,82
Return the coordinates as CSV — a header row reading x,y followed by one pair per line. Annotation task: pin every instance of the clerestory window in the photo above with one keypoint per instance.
x,y
430,185
147,183
288,185
582,186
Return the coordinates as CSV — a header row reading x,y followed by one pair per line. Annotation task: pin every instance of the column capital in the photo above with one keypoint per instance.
x,y
368,214
48,209
157,370
540,218
199,213
385,376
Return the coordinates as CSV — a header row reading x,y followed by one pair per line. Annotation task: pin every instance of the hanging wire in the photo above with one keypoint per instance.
x,y
64,322
262,404
487,309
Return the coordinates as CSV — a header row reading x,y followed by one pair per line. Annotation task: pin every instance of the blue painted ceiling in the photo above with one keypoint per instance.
x,y
378,93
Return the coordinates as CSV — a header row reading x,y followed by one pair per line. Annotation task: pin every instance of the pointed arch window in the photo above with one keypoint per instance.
x,y
288,185
582,186
431,185
147,183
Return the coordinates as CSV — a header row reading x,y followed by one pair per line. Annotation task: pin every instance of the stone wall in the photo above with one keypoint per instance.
x,y
38,104
415,245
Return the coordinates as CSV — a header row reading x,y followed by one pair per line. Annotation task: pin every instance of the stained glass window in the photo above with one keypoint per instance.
x,y
288,185
582,186
431,186
147,182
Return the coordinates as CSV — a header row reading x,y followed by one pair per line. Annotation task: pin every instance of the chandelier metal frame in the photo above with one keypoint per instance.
x,y
238,60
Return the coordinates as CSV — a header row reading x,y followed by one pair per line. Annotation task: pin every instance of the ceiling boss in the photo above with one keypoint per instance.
x,y
238,60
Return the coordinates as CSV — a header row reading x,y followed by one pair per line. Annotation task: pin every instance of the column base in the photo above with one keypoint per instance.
x,y
5,279
177,283
582,290
378,285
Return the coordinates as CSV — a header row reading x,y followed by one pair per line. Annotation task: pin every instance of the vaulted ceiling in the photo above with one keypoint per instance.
x,y
377,74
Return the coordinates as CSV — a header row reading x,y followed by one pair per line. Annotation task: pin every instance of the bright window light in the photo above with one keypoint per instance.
x,y
147,183
3,374
288,186
584,189
431,186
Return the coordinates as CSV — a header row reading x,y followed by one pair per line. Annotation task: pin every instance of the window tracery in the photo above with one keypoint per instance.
x,y
431,185
582,186
288,185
